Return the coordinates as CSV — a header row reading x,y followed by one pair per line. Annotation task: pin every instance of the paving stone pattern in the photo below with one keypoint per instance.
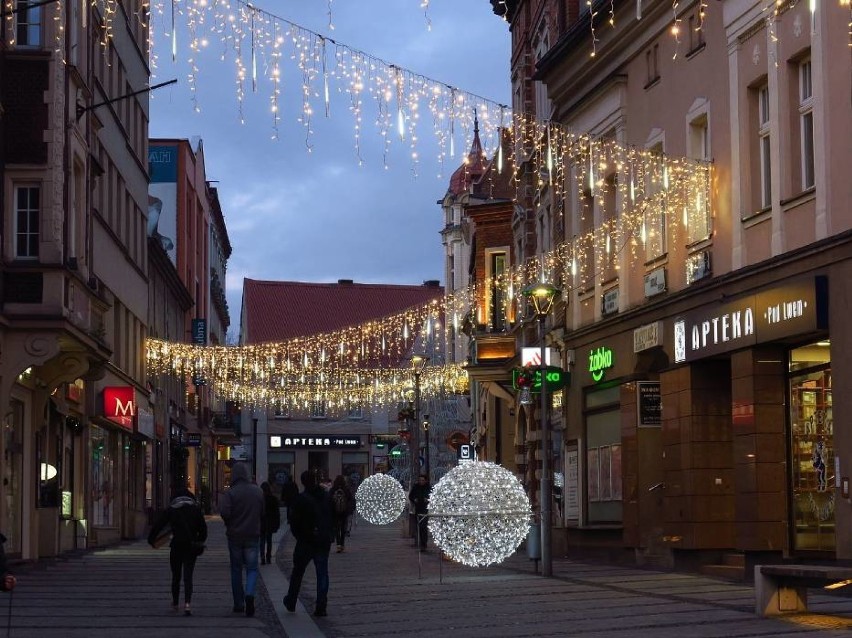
x,y
381,586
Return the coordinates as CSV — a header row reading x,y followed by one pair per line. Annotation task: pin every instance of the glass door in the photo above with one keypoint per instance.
x,y
812,449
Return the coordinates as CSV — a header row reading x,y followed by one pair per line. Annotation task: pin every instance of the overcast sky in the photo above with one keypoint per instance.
x,y
319,216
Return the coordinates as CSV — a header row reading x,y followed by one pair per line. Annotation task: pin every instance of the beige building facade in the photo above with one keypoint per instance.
x,y
74,297
700,417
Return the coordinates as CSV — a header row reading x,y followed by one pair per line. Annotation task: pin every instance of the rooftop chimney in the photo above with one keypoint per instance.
x,y
345,282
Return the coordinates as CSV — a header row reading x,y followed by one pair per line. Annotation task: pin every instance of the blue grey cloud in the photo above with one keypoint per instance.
x,y
319,215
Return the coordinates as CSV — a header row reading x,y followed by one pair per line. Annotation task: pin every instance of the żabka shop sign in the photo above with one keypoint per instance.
x,y
796,308
120,405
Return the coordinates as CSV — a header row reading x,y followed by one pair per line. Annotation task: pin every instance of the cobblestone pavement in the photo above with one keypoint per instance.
x,y
382,587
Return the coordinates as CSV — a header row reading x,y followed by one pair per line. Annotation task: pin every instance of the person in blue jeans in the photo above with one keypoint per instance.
x,y
241,507
311,520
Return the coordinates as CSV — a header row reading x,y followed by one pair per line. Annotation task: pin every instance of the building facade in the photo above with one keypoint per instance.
x,y
699,421
186,218
328,437
74,297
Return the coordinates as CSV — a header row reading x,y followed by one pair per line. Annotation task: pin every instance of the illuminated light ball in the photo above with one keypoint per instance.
x,y
479,513
380,499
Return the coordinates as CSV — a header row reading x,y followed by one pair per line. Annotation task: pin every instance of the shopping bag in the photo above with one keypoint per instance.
x,y
163,537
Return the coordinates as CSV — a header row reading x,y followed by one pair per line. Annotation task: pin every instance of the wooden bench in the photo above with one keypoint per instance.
x,y
783,589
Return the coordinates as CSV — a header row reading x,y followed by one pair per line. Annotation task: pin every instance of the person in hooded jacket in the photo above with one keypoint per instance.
x,y
310,520
242,507
189,531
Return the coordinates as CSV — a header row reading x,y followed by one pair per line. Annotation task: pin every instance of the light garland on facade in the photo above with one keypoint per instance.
x,y
479,513
380,499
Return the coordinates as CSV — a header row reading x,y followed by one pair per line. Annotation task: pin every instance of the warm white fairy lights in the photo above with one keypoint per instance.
x,y
479,513
380,499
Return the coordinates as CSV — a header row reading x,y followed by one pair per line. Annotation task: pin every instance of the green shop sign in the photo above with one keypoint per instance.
x,y
600,361
556,378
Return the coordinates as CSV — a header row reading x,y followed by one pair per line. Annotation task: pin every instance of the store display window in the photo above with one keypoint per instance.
x,y
812,447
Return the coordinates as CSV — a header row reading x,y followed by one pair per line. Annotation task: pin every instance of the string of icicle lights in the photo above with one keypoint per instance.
x,y
663,200
479,513
330,78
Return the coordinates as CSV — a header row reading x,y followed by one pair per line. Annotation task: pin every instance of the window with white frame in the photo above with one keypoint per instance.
x,y
654,226
806,118
318,409
696,214
28,23
764,146
282,410
496,264
27,213
355,411
542,103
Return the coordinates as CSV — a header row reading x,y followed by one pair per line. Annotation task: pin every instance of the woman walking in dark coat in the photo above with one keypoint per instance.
x,y
189,531
270,523
342,500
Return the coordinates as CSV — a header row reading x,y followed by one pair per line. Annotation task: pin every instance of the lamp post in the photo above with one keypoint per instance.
x,y
426,434
418,364
542,296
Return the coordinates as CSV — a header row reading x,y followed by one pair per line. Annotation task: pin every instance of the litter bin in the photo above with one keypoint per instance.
x,y
534,542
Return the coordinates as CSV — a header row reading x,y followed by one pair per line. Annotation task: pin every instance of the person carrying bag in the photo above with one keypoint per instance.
x,y
189,533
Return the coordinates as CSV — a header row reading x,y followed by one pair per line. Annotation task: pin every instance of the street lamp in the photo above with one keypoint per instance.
x,y
542,296
426,434
418,365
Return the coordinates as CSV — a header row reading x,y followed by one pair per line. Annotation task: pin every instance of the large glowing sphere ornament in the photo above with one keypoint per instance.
x,y
380,499
479,513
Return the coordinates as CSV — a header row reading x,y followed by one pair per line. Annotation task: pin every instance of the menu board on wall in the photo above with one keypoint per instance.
x,y
572,485
649,404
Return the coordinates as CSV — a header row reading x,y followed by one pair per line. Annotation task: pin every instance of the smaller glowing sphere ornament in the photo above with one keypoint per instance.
x,y
479,513
380,499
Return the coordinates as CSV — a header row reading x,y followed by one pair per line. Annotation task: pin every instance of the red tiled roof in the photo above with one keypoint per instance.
x,y
281,310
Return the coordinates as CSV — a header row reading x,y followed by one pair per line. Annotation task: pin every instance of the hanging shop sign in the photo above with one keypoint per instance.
x,y
199,331
314,441
649,404
120,405
145,422
600,360
532,356
556,378
192,439
796,308
648,336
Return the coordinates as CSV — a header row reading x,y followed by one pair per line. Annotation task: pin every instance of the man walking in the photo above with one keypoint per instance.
x,y
241,507
310,520
419,497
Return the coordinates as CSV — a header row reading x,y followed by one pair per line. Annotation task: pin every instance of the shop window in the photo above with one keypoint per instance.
x,y
603,458
812,447
103,446
354,468
13,447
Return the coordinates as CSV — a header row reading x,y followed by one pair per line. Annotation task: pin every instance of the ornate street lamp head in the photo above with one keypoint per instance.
x,y
542,295
418,362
